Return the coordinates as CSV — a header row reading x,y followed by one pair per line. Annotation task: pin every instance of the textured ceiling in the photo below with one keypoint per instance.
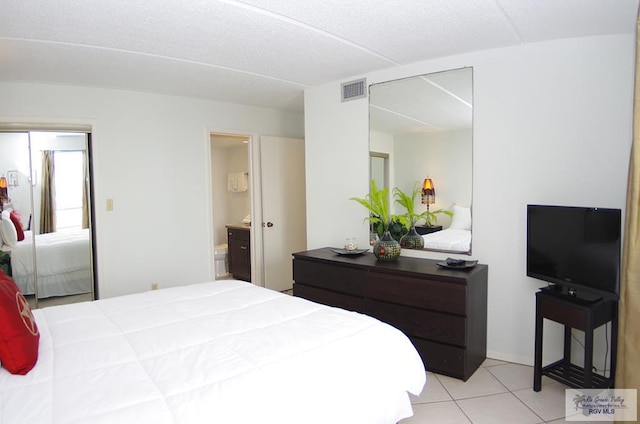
x,y
266,52
441,101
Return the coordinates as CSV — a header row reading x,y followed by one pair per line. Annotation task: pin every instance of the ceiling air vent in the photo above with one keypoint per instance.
x,y
353,90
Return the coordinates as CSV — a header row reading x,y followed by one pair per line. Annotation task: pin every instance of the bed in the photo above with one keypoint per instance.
x,y
457,237
221,352
63,263
450,240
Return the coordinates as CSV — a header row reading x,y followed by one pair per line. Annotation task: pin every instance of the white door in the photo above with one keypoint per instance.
x,y
283,208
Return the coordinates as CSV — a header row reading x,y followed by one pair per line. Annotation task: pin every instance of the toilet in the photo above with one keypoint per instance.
x,y
220,253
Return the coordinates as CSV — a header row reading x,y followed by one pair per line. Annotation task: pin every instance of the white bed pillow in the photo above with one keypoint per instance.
x,y
461,218
8,231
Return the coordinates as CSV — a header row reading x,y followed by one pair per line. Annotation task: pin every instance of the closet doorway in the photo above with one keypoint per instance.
x,y
47,199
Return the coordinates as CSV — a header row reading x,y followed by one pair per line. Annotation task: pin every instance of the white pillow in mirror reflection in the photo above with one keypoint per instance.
x,y
461,218
8,232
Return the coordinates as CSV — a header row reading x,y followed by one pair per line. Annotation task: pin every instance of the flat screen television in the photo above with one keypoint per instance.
x,y
577,249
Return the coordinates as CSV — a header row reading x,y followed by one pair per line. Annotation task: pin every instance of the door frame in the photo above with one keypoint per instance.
x,y
255,197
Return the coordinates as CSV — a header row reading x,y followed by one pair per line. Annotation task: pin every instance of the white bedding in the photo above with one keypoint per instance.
x,y
451,239
63,263
223,352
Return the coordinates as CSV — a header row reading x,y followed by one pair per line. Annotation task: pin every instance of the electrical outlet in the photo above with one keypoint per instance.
x,y
154,286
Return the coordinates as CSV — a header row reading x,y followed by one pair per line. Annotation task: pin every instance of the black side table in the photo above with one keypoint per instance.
x,y
423,229
581,315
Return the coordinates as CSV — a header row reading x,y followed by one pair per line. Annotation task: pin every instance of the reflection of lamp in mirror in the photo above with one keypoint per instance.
x,y
4,197
428,193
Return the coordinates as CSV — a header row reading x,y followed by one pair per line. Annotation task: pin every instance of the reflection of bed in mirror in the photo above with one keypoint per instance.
x,y
63,263
449,240
456,238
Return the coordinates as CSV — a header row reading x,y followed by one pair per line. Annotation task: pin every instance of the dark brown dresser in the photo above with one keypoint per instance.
x,y
442,311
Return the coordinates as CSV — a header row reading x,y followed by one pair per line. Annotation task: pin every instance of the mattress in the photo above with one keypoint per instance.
x,y
221,352
63,263
451,239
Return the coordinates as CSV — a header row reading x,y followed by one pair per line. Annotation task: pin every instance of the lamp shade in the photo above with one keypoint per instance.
x,y
428,192
3,191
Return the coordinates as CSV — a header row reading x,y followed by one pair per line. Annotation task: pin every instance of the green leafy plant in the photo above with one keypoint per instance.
x,y
397,228
411,217
377,203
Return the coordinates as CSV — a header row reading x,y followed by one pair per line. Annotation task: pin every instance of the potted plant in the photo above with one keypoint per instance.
x,y
386,248
413,240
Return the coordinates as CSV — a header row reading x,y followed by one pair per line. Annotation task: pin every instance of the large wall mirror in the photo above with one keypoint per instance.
x,y
46,239
422,128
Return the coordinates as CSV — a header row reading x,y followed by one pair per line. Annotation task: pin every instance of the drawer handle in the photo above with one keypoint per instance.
x,y
243,247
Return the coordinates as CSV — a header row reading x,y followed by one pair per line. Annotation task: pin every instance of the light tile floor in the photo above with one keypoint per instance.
x,y
498,392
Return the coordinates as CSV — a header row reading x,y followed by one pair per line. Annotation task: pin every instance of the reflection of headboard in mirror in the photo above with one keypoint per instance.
x,y
425,126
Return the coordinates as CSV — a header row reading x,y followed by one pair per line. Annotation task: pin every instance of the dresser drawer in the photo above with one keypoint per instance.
x,y
571,315
328,276
421,323
442,359
328,297
418,292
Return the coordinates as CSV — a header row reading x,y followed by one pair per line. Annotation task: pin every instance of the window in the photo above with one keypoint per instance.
x,y
69,178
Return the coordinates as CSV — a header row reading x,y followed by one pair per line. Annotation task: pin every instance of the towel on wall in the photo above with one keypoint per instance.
x,y
237,181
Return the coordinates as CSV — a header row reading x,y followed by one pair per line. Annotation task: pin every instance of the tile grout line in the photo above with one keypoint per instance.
x,y
500,382
452,399
542,420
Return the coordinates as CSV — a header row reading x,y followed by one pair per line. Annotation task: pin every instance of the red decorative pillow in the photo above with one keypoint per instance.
x,y
19,334
15,218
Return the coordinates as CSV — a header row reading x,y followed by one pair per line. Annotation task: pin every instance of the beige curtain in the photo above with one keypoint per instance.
x,y
628,367
47,195
85,192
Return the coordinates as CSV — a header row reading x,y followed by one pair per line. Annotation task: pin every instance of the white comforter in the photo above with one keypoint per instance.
x,y
451,239
57,252
222,352
63,261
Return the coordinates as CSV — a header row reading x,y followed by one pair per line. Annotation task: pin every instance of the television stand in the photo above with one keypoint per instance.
x,y
581,314
578,296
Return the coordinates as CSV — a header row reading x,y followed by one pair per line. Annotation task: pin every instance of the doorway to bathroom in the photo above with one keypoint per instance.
x,y
231,198
259,183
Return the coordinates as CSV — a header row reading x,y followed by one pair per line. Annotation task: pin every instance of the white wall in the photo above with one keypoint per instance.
x,y
219,171
552,124
239,203
231,207
151,156
14,156
445,157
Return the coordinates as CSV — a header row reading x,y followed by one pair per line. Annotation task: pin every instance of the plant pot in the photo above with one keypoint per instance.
x,y
386,249
412,240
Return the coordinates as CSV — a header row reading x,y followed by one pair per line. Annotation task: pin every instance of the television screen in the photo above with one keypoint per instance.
x,y
575,247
